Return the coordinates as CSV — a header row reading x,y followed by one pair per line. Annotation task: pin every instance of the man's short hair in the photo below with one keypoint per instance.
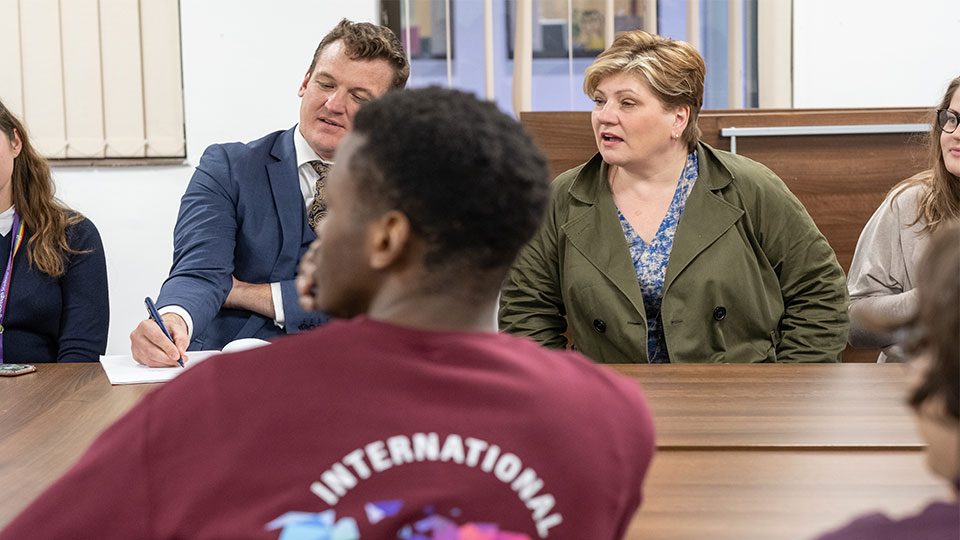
x,y
366,41
467,176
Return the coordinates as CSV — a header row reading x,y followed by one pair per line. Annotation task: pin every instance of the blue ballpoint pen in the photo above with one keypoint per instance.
x,y
152,311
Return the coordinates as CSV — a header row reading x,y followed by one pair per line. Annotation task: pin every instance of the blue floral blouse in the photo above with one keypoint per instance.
x,y
650,260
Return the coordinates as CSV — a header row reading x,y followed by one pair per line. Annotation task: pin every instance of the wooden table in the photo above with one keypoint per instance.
x,y
778,451
764,451
777,494
47,420
777,405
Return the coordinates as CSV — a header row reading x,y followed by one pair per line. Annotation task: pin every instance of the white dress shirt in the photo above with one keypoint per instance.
x,y
6,221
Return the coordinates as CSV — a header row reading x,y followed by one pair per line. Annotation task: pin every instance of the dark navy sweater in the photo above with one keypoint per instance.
x,y
61,319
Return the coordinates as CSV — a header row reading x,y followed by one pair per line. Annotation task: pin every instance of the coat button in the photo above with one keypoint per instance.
x,y
599,326
719,313
302,326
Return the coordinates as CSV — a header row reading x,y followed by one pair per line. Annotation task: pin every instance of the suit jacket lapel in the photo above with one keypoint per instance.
x,y
288,200
594,230
706,216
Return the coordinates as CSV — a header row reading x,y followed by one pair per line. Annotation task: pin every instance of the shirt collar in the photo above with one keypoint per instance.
x,y
305,154
6,221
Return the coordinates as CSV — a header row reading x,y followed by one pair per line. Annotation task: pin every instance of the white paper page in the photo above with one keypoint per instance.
x,y
123,369
244,344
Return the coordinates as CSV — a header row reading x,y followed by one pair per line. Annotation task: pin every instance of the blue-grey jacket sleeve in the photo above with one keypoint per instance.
x,y
85,312
295,318
203,242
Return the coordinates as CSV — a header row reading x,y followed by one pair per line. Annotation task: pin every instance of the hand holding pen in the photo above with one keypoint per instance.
x,y
159,341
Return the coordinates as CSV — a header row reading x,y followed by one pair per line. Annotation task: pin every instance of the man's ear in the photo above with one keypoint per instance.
x,y
388,238
303,86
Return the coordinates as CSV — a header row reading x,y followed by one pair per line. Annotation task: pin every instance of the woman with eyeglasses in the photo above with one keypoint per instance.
x,y
883,274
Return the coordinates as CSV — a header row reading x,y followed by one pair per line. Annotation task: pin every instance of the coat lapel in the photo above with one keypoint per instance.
x,y
705,217
594,230
285,186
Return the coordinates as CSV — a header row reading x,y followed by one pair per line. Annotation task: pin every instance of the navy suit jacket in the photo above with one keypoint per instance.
x,y
242,214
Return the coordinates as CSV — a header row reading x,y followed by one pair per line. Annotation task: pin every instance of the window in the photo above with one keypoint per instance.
x,y
587,31
426,35
557,68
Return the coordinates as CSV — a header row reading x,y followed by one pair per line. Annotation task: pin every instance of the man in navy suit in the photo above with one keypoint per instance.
x,y
248,213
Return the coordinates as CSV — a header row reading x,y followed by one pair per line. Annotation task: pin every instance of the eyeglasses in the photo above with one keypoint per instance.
x,y
947,120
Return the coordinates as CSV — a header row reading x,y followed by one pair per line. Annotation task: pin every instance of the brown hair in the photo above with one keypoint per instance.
x,y
33,196
937,321
366,41
673,69
940,200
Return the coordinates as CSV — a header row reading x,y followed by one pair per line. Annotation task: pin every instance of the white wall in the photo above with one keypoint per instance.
x,y
874,53
243,61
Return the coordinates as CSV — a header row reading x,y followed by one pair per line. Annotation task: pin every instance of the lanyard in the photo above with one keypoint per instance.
x,y
15,241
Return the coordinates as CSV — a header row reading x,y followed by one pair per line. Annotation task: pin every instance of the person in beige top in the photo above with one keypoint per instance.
x,y
882,275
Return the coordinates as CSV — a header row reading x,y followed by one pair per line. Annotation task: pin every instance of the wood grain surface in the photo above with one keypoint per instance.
x,y
47,419
778,448
777,405
774,495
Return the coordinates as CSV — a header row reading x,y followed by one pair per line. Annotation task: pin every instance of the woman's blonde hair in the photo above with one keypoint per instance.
x,y
673,69
940,201
33,197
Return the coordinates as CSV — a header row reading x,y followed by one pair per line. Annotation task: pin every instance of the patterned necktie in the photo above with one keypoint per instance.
x,y
318,208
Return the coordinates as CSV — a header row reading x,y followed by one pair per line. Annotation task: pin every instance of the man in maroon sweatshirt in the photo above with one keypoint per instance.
x,y
409,418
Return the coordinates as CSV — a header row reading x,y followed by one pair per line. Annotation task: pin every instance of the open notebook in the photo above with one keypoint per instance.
x,y
123,369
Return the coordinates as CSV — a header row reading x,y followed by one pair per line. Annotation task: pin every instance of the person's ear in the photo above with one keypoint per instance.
x,y
681,117
388,239
303,85
16,144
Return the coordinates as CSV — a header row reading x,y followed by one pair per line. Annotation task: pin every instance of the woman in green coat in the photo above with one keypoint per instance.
x,y
663,249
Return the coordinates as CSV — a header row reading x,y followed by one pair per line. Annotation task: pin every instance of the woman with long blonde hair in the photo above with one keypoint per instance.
x,y
53,290
882,278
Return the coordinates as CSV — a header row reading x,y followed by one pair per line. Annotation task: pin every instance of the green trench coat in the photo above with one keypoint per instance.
x,y
750,277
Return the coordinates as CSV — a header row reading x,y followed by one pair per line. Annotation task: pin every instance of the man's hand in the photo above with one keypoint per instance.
x,y
306,278
255,297
151,348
